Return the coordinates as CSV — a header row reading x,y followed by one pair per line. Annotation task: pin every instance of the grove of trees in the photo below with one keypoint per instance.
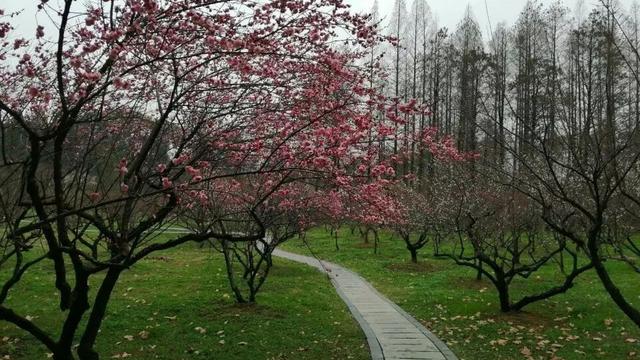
x,y
545,116
120,119
244,123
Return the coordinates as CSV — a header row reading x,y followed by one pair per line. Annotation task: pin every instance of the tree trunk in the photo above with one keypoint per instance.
x,y
503,293
414,255
79,305
365,235
375,242
63,354
85,349
614,292
230,276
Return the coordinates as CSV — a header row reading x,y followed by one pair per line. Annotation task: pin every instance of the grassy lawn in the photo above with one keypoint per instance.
x,y
177,305
582,324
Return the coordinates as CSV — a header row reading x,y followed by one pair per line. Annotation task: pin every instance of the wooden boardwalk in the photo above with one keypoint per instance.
x,y
392,334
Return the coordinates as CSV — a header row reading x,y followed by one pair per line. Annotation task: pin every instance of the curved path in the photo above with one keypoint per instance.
x,y
392,334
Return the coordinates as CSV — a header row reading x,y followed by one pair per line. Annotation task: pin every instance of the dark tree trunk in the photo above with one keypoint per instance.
x,y
376,241
230,275
79,305
503,293
365,235
85,350
414,255
614,292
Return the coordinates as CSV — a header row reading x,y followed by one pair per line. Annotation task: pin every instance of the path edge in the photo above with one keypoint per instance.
x,y
375,349
374,345
444,349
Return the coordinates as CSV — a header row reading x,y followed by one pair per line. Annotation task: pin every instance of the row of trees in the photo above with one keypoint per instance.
x,y
551,106
237,119
243,122
545,114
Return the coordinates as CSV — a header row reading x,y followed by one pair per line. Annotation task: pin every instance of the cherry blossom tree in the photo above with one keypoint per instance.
x,y
289,211
119,115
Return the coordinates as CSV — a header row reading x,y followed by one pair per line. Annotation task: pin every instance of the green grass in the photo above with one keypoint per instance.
x,y
175,293
581,324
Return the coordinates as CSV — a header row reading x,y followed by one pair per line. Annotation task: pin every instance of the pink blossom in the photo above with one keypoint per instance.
x,y
25,58
122,167
91,76
120,84
75,62
17,43
321,162
202,197
39,31
180,160
94,196
192,171
33,91
166,183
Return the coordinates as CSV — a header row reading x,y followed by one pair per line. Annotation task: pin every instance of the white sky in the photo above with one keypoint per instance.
x,y
450,12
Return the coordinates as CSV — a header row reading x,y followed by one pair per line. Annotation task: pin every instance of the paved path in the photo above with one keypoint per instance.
x,y
392,333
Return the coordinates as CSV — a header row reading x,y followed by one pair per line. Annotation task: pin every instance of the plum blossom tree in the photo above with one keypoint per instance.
x,y
123,113
501,234
424,201
418,227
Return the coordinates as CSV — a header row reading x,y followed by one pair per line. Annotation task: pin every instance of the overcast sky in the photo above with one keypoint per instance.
x,y
450,12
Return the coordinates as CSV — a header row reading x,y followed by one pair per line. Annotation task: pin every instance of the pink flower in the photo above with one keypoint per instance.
x,y
161,168
33,91
166,183
94,196
91,76
180,160
39,31
75,62
192,171
17,43
122,167
321,161
120,84
202,197
124,188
